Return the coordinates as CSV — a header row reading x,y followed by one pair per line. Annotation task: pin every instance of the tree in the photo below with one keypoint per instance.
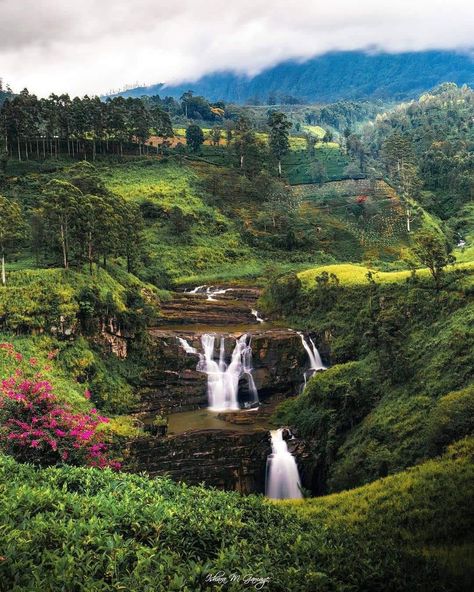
x,y
229,127
60,208
328,137
12,227
280,203
430,249
356,150
318,172
242,137
279,136
131,225
194,137
311,141
215,135
185,99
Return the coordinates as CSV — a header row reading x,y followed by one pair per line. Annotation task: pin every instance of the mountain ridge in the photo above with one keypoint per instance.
x,y
333,76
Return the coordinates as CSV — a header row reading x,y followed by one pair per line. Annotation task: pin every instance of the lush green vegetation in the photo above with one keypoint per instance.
x,y
73,528
396,388
352,230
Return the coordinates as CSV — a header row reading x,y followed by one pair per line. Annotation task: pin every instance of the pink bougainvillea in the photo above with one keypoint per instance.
x,y
36,427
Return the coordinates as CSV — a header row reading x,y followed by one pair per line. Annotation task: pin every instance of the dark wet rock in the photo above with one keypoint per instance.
x,y
224,459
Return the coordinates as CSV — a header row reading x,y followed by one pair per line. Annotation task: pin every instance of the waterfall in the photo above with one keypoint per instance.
x,y
247,370
222,379
257,316
282,479
209,291
189,349
195,290
313,354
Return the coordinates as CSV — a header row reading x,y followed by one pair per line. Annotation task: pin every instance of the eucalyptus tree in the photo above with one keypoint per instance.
x,y
279,136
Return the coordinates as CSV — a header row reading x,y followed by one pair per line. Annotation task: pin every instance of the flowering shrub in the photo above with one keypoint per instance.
x,y
36,427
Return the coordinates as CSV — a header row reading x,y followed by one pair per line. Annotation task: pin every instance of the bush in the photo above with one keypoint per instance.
x,y
36,428
452,418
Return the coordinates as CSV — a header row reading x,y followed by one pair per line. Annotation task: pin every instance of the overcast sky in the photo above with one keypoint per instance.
x,y
93,46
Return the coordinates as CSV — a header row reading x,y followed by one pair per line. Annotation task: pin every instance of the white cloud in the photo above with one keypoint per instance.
x,y
92,47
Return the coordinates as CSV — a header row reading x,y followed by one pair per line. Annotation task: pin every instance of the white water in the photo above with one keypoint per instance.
x,y
283,479
196,290
189,349
209,291
313,354
257,316
222,379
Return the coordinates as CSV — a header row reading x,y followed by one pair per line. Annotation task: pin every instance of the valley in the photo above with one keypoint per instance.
x,y
247,346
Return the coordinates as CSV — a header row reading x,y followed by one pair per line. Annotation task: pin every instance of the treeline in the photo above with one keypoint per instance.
x,y
343,114
78,127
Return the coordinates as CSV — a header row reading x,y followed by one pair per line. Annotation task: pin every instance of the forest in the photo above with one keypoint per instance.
x,y
190,286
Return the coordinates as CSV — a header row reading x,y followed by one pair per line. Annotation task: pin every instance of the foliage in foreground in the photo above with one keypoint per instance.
x,y
83,529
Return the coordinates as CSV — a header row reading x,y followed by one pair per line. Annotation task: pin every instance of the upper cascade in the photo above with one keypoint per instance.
x,y
223,379
316,363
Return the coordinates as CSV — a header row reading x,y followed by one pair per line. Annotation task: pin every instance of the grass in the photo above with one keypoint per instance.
x,y
315,130
356,275
184,235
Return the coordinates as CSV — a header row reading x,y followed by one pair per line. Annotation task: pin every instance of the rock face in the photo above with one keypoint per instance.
x,y
224,459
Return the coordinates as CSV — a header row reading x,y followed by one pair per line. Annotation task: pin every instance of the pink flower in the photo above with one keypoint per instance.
x,y
87,394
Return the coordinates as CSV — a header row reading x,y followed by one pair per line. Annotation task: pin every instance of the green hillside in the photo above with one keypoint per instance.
x,y
126,531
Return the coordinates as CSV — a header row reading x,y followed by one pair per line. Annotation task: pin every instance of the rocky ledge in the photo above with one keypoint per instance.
x,y
224,459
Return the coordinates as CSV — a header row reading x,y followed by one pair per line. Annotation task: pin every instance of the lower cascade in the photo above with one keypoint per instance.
x,y
223,379
282,479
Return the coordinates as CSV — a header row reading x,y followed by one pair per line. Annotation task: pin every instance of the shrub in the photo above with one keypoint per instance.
x,y
452,418
35,427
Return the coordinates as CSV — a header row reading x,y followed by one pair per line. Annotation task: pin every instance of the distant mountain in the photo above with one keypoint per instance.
x,y
330,77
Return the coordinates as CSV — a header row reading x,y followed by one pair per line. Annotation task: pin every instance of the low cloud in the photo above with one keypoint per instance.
x,y
93,47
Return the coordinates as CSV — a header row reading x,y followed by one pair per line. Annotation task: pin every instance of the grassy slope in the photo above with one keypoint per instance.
x,y
297,163
365,417
350,274
209,240
69,528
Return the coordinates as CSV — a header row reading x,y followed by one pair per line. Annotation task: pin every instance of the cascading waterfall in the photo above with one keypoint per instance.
x,y
257,316
222,379
189,349
282,478
195,290
209,291
313,354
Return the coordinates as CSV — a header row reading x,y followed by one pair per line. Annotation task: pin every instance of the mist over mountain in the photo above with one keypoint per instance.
x,y
330,77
